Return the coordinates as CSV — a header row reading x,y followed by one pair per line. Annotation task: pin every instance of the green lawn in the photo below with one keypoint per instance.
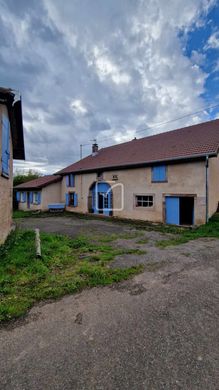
x,y
66,266
211,229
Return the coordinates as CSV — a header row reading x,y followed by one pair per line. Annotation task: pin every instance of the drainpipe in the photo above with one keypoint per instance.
x,y
206,189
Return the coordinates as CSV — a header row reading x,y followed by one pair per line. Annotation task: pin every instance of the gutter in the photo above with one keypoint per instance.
x,y
206,188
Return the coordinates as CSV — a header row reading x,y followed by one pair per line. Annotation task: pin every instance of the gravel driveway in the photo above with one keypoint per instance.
x,y
158,330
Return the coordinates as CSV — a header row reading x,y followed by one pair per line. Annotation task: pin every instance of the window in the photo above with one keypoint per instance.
x,y
144,200
35,197
5,146
23,197
72,199
70,180
100,176
159,173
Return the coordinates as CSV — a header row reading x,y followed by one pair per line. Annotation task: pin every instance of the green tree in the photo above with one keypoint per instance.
x,y
21,177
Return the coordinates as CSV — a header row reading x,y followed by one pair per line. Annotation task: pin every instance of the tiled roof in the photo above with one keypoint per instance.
x,y
188,142
40,182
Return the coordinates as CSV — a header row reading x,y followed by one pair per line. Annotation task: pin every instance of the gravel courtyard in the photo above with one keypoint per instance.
x,y
158,330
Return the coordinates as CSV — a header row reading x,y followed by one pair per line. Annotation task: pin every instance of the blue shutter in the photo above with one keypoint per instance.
x,y
31,197
5,145
18,196
67,199
67,180
39,197
75,200
24,197
72,180
159,173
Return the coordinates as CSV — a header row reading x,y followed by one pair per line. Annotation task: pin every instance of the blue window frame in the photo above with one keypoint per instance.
x,y
70,180
72,199
18,196
5,146
23,197
159,173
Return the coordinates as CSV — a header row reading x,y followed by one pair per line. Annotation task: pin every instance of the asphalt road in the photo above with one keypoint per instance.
x,y
156,331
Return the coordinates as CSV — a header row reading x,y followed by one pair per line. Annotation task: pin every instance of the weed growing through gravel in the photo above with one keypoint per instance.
x,y
67,265
211,229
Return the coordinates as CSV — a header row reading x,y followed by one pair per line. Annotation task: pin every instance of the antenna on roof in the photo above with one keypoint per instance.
x,y
94,141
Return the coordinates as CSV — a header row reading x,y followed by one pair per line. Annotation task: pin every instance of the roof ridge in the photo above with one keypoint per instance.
x,y
158,134
192,140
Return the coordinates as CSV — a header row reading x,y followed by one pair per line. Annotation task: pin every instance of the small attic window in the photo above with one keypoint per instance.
x,y
99,175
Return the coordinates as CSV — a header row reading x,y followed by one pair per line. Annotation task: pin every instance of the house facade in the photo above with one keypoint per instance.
x,y
11,146
37,194
170,178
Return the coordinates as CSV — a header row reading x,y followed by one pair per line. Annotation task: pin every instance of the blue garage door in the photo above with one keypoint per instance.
x,y
172,210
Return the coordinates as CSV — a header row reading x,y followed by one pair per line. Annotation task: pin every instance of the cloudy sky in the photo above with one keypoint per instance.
x,y
106,69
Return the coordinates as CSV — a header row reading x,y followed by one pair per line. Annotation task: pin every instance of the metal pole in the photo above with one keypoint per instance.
x,y
81,151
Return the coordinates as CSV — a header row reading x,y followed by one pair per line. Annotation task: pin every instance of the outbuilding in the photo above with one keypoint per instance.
x,y
37,194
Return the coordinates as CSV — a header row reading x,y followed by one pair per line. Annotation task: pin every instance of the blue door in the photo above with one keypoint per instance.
x,y
102,198
172,210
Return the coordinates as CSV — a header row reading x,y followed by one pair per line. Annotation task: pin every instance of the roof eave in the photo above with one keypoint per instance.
x,y
56,180
141,164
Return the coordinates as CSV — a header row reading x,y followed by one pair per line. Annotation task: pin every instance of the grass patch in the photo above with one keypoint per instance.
x,y
211,229
39,214
142,241
67,265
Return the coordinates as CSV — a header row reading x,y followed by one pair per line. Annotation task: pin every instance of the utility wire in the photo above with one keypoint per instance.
x,y
163,123
166,122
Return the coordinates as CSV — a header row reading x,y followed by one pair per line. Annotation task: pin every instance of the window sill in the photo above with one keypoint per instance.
x,y
5,175
144,208
159,181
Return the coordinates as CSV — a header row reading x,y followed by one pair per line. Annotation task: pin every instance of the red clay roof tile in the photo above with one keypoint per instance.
x,y
40,182
187,142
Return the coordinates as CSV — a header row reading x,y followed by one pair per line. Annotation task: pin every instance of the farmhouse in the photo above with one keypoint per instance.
x,y
11,146
37,194
171,177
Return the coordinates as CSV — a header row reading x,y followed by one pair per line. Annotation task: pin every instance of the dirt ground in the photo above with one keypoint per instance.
x,y
158,330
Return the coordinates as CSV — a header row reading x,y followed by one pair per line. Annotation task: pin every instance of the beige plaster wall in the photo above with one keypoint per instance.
x,y
49,194
82,185
5,188
213,182
187,178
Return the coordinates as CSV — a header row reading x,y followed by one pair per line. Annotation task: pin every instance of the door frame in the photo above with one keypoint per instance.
x,y
178,195
92,192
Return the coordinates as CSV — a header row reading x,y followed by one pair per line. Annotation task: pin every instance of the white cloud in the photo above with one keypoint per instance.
x,y
198,58
213,41
106,68
78,107
99,70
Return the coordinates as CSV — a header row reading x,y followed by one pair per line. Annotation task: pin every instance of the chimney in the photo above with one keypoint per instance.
x,y
94,149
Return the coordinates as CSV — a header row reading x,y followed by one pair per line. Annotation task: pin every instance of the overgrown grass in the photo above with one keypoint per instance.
x,y
39,214
211,229
66,266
